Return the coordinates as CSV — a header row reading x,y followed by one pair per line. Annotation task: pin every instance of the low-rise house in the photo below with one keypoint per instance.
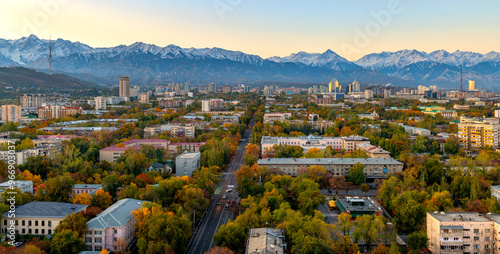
x,y
374,151
39,218
24,186
356,206
116,222
158,167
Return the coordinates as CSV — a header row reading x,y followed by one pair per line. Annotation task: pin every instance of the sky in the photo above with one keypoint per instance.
x,y
351,28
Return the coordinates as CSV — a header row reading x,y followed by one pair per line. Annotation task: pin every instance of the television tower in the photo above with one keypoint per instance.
x,y
50,55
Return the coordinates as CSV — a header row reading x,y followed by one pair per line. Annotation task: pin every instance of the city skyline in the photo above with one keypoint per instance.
x,y
265,29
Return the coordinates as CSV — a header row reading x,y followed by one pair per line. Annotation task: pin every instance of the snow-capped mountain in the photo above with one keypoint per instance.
x,y
148,63
328,59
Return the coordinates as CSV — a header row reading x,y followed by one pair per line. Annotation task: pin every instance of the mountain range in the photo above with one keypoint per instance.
x,y
148,64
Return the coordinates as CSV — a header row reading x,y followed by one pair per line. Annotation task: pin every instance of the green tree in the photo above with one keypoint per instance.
x,y
357,175
417,241
344,223
451,146
67,241
364,188
231,235
57,189
367,228
111,184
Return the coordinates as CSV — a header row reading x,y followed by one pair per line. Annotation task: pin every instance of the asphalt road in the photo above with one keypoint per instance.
x,y
217,215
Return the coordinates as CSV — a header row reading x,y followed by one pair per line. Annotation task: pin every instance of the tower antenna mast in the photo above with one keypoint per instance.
x,y
50,55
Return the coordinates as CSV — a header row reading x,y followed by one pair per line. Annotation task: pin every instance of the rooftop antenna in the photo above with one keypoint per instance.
x,y
50,55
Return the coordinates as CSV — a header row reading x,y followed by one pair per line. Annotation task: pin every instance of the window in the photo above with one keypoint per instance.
x,y
36,223
97,240
455,239
49,223
476,246
476,231
29,231
476,238
36,231
446,239
97,232
5,222
43,223
24,231
114,231
487,230
487,238
29,223
22,222
487,246
50,231
43,231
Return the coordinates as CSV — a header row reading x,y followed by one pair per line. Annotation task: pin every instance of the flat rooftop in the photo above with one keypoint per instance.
x,y
329,161
46,209
187,155
456,216
367,206
262,241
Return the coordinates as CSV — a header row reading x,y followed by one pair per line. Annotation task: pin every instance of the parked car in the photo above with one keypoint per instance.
x,y
17,244
223,196
229,190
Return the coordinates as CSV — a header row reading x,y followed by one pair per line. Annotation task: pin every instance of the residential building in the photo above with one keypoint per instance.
x,y
462,107
205,105
368,94
387,92
374,167
495,192
351,143
186,163
225,119
373,151
112,153
11,113
227,89
100,103
24,186
33,100
145,98
170,103
49,112
280,117
187,131
373,116
458,232
212,88
20,157
416,131
114,223
39,218
356,206
474,133
266,241
85,188
124,87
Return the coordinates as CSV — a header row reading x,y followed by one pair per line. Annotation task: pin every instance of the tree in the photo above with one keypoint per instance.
x,y
67,241
367,228
111,184
206,178
451,146
31,249
219,250
57,189
316,173
314,153
75,222
231,235
441,201
476,206
337,182
380,249
82,199
102,199
417,241
364,188
346,246
345,224
357,175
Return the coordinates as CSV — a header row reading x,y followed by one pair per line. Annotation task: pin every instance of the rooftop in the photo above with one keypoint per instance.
x,y
355,204
86,186
266,240
186,155
17,183
457,216
47,209
116,215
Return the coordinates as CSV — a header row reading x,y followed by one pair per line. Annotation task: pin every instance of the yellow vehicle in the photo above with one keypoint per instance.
x,y
332,204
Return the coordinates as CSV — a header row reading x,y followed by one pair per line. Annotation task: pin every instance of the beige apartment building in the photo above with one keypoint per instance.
x,y
11,113
124,87
470,233
474,133
49,112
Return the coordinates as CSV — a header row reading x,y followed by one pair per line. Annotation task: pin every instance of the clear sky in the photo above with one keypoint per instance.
x,y
263,27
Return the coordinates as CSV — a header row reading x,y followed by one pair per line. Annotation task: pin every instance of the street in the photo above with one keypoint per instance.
x,y
217,215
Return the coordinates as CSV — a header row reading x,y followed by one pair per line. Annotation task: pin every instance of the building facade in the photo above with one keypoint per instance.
x,y
187,131
186,163
474,133
114,223
374,167
24,186
11,113
33,100
100,103
280,117
124,87
49,112
266,240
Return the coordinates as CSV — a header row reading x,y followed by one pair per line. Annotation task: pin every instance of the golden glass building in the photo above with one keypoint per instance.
x,y
474,133
472,85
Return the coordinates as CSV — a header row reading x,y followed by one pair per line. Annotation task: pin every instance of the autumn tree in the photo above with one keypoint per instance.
x,y
219,250
314,153
82,199
251,154
364,188
367,229
75,222
356,174
57,189
102,199
344,223
417,241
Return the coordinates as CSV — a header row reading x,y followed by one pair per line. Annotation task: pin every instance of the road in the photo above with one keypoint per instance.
x,y
217,215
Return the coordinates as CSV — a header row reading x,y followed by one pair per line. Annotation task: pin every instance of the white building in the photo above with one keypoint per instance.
x,y
205,105
186,163
100,103
24,186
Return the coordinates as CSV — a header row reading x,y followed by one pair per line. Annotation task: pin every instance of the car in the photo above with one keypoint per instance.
x,y
17,244
229,190
223,196
233,203
218,202
227,205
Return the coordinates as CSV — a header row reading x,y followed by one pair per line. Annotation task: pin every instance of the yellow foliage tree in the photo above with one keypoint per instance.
x,y
82,199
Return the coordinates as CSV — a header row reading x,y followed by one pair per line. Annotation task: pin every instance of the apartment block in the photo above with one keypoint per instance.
x,y
11,113
187,163
474,133
266,240
33,100
471,233
280,117
24,186
187,131
39,218
116,222
374,167
49,112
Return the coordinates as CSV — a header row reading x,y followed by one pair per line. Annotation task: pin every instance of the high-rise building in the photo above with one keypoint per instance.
x,y
145,98
212,88
387,92
433,88
33,100
11,113
205,105
368,94
100,102
356,86
330,87
227,89
124,87
474,133
472,85
135,91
